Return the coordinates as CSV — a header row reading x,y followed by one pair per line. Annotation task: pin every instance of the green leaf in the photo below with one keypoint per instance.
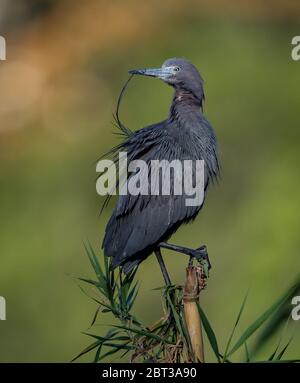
x,y
115,348
124,353
272,356
279,342
110,334
247,353
94,283
87,349
120,346
132,296
184,334
259,322
280,355
279,361
97,355
95,316
148,334
94,261
235,325
111,352
277,319
209,332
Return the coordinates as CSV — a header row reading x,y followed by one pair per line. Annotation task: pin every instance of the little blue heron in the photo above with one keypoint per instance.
x,y
142,224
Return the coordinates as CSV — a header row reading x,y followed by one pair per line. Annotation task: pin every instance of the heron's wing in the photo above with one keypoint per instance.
x,y
139,222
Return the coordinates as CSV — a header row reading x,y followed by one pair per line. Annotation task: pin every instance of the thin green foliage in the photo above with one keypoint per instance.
x,y
210,333
168,339
235,326
260,321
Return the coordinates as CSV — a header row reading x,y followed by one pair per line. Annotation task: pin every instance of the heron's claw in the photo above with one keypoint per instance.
x,y
201,255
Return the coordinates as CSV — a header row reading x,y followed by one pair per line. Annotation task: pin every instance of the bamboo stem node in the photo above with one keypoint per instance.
x,y
194,284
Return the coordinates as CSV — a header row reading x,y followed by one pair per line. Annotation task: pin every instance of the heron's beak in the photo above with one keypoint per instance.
x,y
161,73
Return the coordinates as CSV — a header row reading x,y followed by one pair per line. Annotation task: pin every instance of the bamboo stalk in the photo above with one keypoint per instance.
x,y
195,282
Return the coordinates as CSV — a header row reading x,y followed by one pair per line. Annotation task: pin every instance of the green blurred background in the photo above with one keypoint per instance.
x,y
66,63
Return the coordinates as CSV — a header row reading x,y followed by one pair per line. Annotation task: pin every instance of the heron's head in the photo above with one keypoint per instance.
x,y
179,73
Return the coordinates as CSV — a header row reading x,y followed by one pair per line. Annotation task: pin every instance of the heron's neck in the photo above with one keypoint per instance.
x,y
184,103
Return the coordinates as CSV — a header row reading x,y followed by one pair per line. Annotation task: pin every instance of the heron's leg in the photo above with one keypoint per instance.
x,y
199,253
163,267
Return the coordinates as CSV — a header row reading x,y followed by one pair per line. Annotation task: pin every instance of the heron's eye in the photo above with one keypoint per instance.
x,y
177,69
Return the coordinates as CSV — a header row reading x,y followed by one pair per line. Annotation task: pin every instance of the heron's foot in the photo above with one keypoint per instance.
x,y
201,255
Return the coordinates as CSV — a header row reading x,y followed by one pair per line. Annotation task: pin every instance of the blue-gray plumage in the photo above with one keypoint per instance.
x,y
140,224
